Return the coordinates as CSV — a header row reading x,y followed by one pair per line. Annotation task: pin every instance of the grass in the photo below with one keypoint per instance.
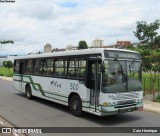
x,y
158,99
146,83
6,72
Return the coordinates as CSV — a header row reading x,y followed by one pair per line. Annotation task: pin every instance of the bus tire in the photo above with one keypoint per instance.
x,y
75,105
29,92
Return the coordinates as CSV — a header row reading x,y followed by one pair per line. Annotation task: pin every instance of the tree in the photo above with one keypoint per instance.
x,y
8,64
82,45
149,43
6,42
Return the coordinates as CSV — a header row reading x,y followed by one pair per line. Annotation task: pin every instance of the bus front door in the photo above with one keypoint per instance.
x,y
94,84
21,72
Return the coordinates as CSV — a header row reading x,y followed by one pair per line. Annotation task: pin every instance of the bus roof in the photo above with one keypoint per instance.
x,y
72,52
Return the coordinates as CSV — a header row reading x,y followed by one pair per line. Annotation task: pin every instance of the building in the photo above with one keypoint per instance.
x,y
2,59
109,46
97,43
123,43
58,50
47,48
11,58
71,47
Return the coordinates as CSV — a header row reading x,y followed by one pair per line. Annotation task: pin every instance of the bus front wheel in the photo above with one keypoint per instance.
x,y
29,92
76,105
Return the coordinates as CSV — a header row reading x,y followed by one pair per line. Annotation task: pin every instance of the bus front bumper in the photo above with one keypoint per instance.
x,y
112,110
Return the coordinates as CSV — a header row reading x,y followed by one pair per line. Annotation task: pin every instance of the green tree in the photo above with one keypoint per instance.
x,y
149,43
82,45
8,64
6,42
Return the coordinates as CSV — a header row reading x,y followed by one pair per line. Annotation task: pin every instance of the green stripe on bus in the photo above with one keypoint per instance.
x,y
39,86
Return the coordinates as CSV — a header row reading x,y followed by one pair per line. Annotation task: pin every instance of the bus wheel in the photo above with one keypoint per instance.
x,y
75,105
29,92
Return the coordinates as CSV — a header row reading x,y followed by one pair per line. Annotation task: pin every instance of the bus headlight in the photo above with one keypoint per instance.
x,y
106,104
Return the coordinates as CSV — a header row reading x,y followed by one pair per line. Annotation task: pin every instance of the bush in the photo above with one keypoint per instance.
x,y
158,99
6,72
1,74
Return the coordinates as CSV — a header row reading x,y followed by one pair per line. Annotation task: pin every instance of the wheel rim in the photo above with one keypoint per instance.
x,y
28,94
75,105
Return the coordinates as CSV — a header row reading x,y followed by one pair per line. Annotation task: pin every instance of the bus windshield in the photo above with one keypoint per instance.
x,y
121,76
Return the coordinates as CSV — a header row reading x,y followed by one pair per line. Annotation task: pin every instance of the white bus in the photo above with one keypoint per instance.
x,y
99,81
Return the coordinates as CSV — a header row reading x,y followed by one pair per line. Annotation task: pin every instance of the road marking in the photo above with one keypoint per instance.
x,y
1,123
15,134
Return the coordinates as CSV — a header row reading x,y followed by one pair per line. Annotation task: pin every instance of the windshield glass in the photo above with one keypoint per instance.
x,y
121,76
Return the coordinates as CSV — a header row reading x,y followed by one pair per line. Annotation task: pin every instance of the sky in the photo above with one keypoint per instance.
x,y
33,23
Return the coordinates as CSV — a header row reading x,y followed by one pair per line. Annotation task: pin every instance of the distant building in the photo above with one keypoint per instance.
x,y
47,48
6,58
2,59
58,50
123,43
71,47
31,53
97,43
109,46
11,58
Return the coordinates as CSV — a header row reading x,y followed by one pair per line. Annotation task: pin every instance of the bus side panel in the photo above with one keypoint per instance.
x,y
16,83
49,88
78,87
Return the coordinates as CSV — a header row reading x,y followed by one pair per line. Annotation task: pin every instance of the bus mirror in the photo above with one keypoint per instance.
x,y
102,68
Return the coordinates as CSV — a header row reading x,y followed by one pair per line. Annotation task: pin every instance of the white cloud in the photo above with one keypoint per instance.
x,y
32,24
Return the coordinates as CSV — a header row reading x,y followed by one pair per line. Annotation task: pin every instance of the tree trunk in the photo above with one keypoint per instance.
x,y
152,88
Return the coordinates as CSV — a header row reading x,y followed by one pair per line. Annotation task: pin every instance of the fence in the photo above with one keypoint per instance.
x,y
147,81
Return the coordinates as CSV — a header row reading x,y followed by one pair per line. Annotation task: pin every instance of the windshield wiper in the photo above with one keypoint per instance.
x,y
124,76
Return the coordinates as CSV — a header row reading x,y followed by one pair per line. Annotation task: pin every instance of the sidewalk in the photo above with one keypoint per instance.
x,y
148,104
6,78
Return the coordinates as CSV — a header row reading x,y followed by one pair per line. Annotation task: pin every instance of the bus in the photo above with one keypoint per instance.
x,y
101,81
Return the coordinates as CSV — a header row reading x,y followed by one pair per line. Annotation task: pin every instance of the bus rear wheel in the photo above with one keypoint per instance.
x,y
29,92
75,105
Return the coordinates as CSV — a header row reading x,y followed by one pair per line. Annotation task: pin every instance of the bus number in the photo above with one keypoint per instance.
x,y
74,86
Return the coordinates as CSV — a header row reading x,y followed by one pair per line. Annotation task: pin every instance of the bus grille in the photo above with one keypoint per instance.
x,y
123,106
126,102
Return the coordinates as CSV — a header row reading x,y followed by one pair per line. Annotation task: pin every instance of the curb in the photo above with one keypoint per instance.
x,y
151,106
6,78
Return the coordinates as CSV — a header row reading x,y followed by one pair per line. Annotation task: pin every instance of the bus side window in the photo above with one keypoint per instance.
x,y
80,68
59,70
71,69
77,68
38,66
48,67
29,67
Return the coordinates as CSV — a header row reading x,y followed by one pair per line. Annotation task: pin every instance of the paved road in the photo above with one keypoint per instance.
x,y
16,108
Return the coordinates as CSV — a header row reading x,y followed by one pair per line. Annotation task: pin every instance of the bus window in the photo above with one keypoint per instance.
x,y
38,66
77,67
59,68
71,69
80,67
29,67
48,67
16,67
